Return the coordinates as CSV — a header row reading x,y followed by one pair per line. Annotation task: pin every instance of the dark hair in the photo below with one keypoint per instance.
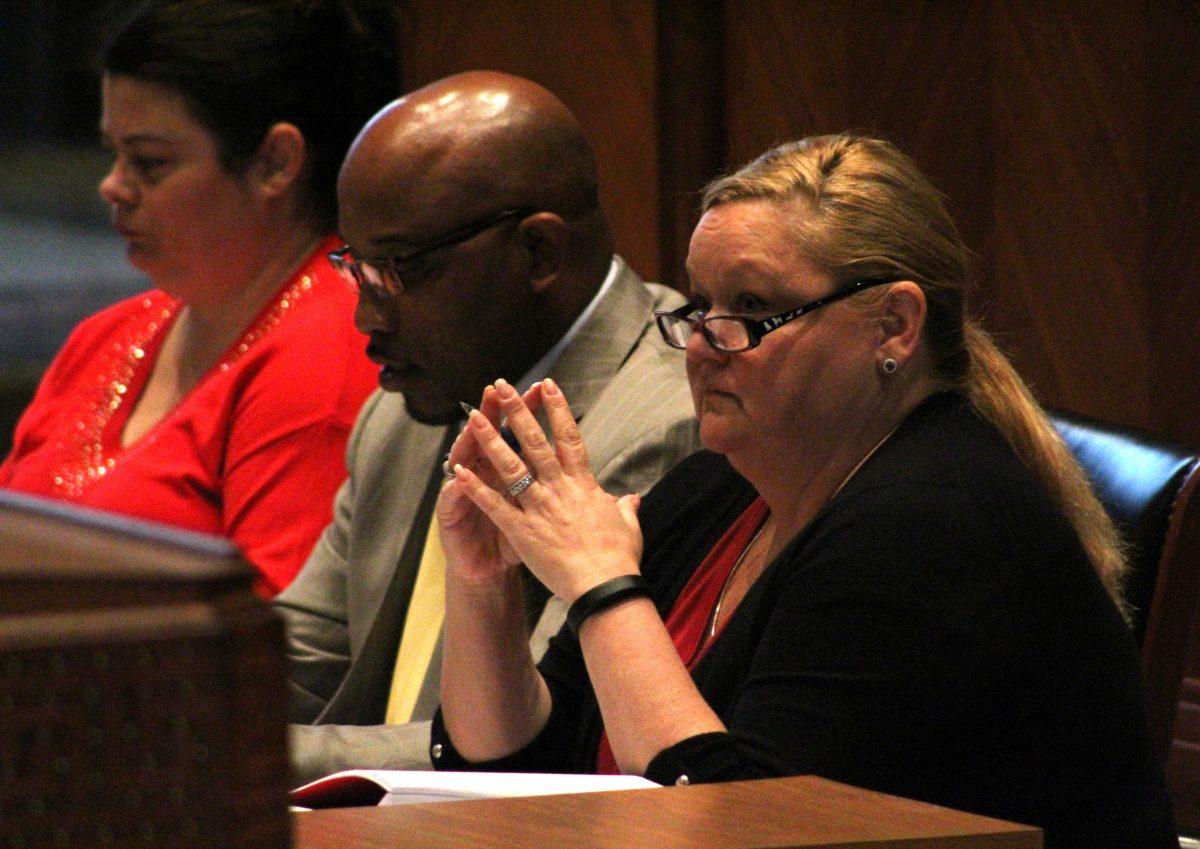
x,y
244,65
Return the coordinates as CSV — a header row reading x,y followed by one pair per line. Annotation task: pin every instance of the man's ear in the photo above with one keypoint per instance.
x,y
280,159
901,320
544,236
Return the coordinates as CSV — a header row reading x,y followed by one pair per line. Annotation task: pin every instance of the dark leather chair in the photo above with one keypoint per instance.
x,y
1149,487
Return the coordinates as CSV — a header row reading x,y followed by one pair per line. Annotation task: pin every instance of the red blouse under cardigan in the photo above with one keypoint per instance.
x,y
689,619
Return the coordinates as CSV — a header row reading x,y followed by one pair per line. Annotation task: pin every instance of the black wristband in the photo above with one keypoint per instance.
x,y
605,594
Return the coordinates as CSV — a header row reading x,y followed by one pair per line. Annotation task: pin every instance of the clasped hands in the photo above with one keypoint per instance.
x,y
570,533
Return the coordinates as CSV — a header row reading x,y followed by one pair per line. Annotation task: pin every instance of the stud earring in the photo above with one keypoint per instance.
x,y
889,366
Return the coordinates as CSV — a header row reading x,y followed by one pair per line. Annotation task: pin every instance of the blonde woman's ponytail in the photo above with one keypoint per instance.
x,y
999,394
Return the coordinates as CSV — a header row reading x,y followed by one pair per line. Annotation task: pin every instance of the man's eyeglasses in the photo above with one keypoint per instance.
x,y
381,277
736,333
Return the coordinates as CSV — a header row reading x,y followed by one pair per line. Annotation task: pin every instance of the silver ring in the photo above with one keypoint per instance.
x,y
447,470
521,485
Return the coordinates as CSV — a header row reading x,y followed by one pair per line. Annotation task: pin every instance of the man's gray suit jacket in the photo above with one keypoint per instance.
x,y
345,611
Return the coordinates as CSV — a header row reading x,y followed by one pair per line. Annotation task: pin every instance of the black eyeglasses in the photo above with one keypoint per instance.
x,y
381,277
736,333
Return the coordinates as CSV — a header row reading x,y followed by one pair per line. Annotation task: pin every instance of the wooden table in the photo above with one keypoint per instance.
x,y
778,812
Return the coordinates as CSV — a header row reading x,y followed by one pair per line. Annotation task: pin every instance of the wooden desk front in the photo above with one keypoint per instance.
x,y
779,812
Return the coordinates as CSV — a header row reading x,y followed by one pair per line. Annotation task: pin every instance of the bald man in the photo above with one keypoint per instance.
x,y
475,235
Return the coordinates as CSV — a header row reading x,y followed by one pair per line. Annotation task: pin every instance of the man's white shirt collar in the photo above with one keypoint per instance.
x,y
543,366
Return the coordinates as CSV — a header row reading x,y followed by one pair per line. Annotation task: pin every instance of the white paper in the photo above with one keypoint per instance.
x,y
403,787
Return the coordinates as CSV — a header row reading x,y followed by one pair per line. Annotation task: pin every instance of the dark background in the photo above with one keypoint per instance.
x,y
1063,133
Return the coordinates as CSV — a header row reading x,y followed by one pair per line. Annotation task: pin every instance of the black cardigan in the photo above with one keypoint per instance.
x,y
937,632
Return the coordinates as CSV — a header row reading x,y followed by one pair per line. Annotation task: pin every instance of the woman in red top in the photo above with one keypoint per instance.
x,y
221,400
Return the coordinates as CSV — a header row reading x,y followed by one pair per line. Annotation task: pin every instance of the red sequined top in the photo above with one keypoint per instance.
x,y
254,452
690,616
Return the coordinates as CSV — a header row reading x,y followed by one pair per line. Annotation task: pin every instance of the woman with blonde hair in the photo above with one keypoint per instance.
x,y
885,569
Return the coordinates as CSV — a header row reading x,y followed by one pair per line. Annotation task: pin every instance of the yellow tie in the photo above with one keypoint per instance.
x,y
422,627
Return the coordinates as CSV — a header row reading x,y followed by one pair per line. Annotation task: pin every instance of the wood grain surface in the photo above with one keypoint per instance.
x,y
783,812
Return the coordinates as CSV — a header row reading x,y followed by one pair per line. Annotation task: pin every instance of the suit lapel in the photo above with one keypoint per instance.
x,y
362,697
394,464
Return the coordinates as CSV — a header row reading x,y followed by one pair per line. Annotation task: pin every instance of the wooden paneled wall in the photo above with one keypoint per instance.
x,y
1063,133
1062,140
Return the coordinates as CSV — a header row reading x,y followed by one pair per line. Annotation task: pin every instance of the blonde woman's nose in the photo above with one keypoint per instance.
x,y
698,348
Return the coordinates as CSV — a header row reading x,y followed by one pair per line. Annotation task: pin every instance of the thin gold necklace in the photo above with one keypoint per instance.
x,y
716,614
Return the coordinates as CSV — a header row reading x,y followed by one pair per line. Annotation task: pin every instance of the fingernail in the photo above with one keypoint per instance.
x,y
466,408
477,420
506,391
549,387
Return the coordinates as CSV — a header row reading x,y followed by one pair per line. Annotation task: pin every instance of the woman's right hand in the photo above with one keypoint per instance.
x,y
569,532
476,551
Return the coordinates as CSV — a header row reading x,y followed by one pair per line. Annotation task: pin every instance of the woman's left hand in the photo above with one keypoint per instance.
x,y
567,530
